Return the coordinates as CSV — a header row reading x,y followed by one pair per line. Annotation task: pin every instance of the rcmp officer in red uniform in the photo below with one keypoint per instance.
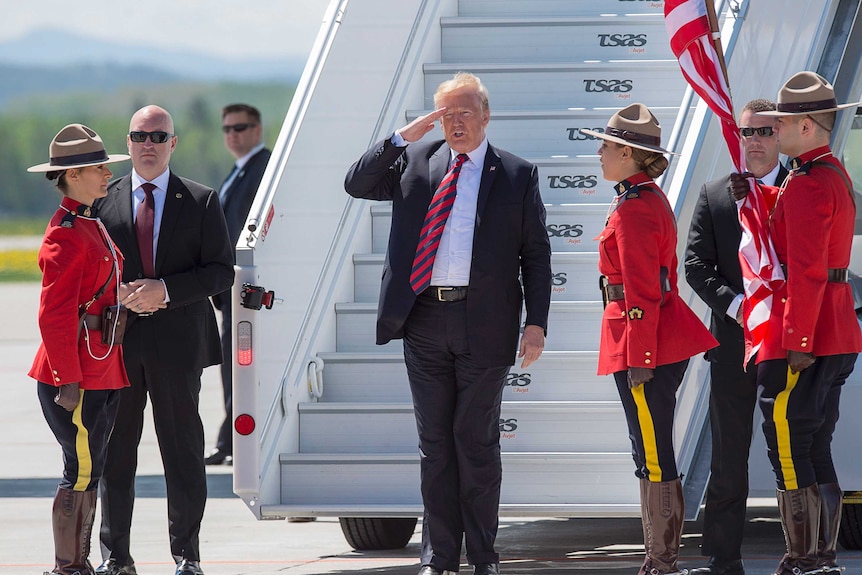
x,y
648,333
79,376
813,336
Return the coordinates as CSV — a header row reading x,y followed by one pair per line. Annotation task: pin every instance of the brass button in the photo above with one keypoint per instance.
x,y
647,353
784,300
804,344
647,361
54,372
106,258
56,379
805,338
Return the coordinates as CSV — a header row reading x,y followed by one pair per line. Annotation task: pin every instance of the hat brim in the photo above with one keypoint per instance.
x,y
49,167
619,140
775,113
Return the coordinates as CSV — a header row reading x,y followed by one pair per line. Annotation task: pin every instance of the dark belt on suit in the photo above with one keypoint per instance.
x,y
614,292
446,293
837,275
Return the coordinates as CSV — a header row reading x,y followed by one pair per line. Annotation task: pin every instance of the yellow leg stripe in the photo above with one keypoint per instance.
x,y
782,432
82,448
647,433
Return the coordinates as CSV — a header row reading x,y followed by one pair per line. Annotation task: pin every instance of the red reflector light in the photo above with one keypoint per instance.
x,y
244,352
244,424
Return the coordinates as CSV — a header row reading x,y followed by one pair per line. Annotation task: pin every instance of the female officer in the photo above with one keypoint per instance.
x,y
79,376
648,333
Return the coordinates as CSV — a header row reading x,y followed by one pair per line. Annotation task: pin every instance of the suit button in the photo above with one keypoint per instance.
x,y
56,379
784,300
803,344
647,361
647,353
107,258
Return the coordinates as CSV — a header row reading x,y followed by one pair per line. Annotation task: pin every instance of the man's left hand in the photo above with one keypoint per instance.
x,y
532,344
147,295
799,360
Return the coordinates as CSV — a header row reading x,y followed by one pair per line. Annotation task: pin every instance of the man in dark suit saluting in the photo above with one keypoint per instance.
x,y
712,268
467,219
243,137
173,236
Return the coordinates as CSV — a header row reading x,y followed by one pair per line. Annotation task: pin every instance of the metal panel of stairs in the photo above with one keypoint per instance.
x,y
551,68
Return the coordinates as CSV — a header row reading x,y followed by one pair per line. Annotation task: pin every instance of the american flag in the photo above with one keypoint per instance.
x,y
692,42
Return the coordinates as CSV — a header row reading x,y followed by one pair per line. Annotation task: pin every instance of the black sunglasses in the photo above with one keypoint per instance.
x,y
155,137
237,128
763,131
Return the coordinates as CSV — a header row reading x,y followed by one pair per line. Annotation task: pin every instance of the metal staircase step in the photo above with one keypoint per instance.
x,y
555,86
586,484
568,8
575,276
382,377
574,326
524,426
554,39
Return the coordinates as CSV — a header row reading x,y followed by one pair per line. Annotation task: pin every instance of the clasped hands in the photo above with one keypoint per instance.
x,y
143,296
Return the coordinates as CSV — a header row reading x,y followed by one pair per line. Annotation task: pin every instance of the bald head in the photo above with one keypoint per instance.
x,y
151,158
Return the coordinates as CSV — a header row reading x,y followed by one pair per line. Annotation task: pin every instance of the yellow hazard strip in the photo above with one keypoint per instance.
x,y
782,431
647,433
82,447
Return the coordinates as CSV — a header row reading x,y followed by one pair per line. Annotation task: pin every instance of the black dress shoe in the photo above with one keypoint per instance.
x,y
186,567
112,567
430,570
218,457
720,567
486,569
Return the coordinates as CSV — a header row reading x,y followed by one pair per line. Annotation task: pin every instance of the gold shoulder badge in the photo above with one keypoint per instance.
x,y
636,313
632,195
87,212
621,187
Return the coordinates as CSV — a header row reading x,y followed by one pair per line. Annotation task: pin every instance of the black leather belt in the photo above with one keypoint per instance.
x,y
837,275
446,293
613,292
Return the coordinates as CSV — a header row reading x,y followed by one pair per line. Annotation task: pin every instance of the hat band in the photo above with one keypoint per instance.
x,y
75,159
801,107
633,136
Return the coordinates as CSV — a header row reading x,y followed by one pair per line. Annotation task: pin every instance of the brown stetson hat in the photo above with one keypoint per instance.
x,y
633,126
76,146
806,93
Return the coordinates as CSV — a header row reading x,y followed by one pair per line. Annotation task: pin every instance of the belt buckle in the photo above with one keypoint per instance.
x,y
441,291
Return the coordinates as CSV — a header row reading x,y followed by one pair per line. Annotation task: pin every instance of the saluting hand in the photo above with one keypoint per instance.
x,y
414,131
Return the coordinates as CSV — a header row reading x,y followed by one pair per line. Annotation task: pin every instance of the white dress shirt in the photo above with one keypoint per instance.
x,y
159,194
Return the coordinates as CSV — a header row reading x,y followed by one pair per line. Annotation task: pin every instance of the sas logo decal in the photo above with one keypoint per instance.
x,y
603,85
625,40
576,181
519,382
507,428
576,136
558,282
571,232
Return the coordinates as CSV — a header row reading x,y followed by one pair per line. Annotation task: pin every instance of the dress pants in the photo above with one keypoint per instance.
x,y
457,408
732,399
799,415
224,443
82,433
649,410
174,391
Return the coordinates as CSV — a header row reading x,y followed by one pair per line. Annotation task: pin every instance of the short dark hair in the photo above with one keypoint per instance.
x,y
252,112
759,105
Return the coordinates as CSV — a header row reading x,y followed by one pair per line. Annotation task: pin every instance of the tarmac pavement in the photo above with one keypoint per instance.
x,y
234,543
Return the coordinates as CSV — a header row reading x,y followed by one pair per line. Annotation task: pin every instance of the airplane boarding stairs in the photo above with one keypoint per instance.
x,y
563,432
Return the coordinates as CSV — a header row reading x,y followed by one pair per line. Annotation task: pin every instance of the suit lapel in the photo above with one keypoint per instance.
x,y
492,165
173,204
438,165
118,208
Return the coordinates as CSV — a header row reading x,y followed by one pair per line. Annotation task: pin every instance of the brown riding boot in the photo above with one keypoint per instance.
x,y
831,498
645,519
72,518
665,508
800,519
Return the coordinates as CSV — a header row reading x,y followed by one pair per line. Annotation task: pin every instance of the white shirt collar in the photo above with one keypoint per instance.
x,y
241,162
476,156
161,181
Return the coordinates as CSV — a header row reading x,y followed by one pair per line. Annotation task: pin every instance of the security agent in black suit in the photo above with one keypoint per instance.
x,y
172,335
460,334
243,137
712,268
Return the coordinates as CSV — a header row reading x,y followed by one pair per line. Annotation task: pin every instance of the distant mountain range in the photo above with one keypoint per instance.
x,y
53,60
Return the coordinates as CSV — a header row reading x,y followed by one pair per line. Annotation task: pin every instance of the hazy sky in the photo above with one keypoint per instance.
x,y
220,27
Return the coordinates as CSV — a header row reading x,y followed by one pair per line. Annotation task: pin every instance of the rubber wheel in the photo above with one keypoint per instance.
x,y
850,533
372,533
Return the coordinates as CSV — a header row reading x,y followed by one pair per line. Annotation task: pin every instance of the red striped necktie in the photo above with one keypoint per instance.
x,y
144,225
432,227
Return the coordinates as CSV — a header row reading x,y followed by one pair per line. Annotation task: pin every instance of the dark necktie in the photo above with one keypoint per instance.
x,y
432,227
144,224
224,186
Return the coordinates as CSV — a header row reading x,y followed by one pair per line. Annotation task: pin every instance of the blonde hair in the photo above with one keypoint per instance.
x,y
653,163
459,81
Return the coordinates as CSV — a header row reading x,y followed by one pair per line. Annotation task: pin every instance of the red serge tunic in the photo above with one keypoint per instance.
x,y
647,328
812,231
75,261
